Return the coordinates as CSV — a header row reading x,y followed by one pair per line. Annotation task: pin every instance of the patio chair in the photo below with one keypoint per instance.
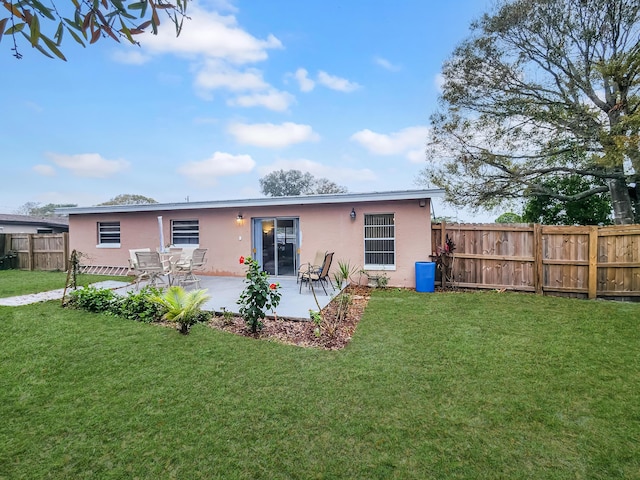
x,y
183,270
316,266
133,260
152,268
322,277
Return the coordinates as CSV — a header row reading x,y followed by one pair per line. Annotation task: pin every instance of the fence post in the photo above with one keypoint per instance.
x,y
30,251
593,262
65,249
538,277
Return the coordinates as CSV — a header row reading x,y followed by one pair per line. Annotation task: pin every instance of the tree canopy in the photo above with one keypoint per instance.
x,y
35,209
44,27
284,183
129,199
548,210
540,89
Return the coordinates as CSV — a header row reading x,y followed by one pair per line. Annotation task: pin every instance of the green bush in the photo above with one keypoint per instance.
x,y
141,307
93,299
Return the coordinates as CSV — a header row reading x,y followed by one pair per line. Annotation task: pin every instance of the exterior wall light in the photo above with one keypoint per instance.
x,y
353,214
239,219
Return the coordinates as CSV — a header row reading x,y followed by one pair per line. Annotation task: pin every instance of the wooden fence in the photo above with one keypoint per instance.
x,y
47,251
584,262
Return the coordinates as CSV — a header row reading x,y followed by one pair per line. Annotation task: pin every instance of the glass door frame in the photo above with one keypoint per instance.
x,y
257,245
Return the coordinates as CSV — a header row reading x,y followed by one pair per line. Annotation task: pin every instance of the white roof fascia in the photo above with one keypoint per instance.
x,y
261,202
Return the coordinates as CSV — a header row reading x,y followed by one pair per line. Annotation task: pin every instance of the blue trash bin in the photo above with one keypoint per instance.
x,y
425,276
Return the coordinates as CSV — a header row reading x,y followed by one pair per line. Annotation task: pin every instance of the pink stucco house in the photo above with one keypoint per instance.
x,y
379,232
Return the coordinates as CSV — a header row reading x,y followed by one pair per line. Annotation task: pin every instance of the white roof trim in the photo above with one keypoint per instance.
x,y
262,202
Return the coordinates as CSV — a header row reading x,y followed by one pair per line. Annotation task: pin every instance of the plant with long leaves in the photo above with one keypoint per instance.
x,y
258,296
183,308
85,21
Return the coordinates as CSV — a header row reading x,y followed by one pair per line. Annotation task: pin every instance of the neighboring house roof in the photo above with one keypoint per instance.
x,y
8,219
265,201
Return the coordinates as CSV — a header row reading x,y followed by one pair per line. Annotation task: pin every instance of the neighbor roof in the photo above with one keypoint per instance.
x,y
9,219
261,202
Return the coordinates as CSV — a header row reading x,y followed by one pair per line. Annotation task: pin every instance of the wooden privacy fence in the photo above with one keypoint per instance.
x,y
586,262
38,251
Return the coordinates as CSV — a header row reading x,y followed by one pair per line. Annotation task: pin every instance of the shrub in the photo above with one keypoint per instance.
x,y
94,300
258,295
140,306
183,307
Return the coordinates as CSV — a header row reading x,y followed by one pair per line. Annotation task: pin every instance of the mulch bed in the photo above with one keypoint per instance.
x,y
333,334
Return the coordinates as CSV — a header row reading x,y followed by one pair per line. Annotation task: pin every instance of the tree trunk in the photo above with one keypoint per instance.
x,y
620,201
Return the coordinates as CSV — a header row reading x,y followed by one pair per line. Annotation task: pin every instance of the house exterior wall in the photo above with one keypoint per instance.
x,y
322,227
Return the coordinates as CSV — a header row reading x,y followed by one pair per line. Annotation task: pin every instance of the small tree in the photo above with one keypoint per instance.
x,y
258,296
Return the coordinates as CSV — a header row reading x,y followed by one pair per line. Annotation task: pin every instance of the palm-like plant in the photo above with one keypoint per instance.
x,y
182,307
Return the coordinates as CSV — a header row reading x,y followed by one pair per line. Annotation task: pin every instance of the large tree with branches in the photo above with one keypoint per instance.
x,y
542,88
86,21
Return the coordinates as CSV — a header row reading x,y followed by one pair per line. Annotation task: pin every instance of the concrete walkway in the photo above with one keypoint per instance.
x,y
224,291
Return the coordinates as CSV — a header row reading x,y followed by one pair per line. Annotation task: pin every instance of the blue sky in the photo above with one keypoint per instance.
x,y
341,89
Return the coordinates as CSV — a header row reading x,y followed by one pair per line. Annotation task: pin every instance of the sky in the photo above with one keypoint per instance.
x,y
341,89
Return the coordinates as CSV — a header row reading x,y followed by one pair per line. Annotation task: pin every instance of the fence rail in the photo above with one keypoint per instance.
x,y
577,261
41,251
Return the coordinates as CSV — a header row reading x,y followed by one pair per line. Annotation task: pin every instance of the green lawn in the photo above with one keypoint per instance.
x,y
20,282
461,385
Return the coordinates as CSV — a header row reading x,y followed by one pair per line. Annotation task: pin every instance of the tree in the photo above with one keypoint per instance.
x,y
542,88
325,186
285,183
549,210
509,217
34,209
84,21
129,199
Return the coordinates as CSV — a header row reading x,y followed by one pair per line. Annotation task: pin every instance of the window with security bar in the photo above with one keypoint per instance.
x,y
185,232
109,233
379,241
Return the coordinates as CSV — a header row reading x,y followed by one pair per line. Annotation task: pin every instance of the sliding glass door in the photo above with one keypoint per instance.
x,y
275,244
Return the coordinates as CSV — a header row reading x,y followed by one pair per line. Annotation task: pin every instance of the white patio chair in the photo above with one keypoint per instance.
x,y
152,268
183,270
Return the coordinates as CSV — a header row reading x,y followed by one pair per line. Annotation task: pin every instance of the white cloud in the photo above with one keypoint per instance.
x,y
386,64
44,170
272,136
438,81
211,35
417,155
340,175
214,74
89,164
273,100
305,83
410,142
221,164
130,56
336,83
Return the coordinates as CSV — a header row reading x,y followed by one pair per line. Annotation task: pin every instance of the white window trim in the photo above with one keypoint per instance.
x,y
109,245
185,245
378,267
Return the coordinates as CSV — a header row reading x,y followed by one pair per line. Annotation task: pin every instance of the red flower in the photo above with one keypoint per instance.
x,y
241,259
273,286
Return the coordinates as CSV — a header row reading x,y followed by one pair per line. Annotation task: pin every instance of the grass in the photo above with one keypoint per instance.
x,y
468,385
20,282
